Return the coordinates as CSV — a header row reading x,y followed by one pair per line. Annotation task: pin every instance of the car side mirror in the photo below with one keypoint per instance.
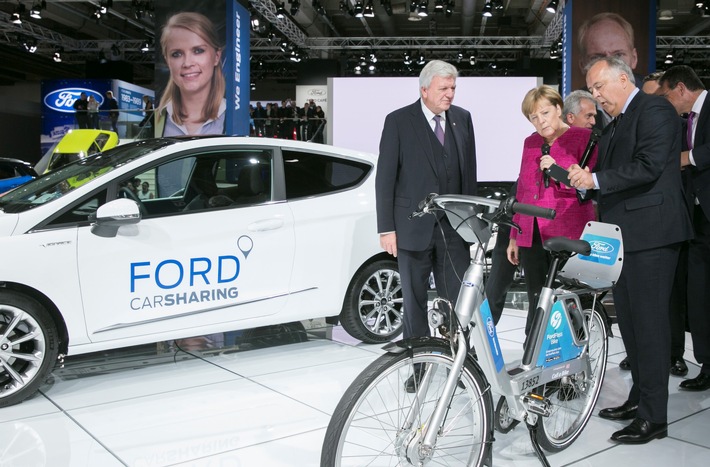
x,y
114,214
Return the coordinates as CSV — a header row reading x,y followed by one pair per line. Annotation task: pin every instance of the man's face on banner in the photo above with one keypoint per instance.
x,y
608,39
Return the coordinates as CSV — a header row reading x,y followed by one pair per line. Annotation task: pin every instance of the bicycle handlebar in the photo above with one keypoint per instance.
x,y
510,205
532,210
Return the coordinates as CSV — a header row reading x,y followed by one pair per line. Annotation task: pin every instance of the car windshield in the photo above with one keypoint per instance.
x,y
55,184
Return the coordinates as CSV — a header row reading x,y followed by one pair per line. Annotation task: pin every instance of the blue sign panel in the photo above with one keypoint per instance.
x,y
557,343
605,250
492,336
236,69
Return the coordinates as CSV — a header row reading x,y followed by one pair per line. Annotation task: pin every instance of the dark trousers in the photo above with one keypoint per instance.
x,y
679,303
699,288
535,261
448,256
642,301
501,275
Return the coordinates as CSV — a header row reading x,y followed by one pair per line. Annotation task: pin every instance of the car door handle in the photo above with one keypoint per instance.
x,y
269,224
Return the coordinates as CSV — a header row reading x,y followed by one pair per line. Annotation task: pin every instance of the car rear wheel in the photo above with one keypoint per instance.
x,y
28,347
373,304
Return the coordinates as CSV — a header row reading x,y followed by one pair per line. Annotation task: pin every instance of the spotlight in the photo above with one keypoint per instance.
x,y
58,55
554,52
318,6
97,14
358,10
487,10
252,86
17,14
36,11
421,60
438,6
497,4
449,8
407,58
280,10
30,45
373,57
147,44
295,6
423,8
552,6
472,60
669,58
283,45
102,57
459,56
369,10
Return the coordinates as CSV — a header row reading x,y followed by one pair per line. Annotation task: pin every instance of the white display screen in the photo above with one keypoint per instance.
x,y
358,107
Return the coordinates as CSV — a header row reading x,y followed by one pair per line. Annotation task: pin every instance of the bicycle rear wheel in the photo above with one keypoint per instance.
x,y
573,397
369,425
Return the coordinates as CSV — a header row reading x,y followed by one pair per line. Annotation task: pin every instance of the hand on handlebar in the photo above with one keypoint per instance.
x,y
388,242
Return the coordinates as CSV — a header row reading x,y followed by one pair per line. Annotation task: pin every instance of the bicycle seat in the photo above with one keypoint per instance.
x,y
564,244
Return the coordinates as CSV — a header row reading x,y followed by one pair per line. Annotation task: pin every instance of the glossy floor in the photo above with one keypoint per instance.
x,y
264,398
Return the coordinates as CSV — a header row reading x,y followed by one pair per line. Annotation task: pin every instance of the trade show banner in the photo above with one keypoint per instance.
x,y
202,67
130,100
607,27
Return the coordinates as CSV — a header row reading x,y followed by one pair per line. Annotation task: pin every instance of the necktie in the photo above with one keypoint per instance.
x,y
689,134
615,122
438,130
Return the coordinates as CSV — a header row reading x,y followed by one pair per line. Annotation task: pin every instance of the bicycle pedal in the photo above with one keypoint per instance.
x,y
538,405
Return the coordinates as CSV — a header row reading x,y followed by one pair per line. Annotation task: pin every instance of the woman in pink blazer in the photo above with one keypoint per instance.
x,y
554,142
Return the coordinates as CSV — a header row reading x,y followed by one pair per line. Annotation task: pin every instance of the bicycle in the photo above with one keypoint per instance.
x,y
449,419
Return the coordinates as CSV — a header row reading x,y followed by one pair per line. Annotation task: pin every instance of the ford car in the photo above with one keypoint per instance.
x,y
219,234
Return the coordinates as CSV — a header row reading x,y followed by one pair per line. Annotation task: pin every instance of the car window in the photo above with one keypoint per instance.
x,y
314,174
56,184
204,181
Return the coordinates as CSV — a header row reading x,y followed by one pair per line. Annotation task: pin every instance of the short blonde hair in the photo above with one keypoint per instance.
x,y
203,27
535,95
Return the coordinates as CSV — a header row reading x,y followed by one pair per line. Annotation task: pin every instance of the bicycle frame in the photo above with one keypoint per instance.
x,y
553,349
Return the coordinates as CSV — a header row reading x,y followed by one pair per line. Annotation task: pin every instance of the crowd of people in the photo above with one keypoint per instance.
x,y
647,175
288,121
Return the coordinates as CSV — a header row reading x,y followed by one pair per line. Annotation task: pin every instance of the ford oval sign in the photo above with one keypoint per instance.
x,y
62,100
601,247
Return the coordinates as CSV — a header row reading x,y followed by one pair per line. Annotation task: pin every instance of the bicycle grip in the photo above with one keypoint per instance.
x,y
532,210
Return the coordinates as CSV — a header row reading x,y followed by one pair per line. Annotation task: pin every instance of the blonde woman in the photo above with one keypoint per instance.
x,y
193,102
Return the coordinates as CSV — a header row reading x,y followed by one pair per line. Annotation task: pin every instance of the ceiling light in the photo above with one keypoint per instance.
x,y
552,6
420,60
472,60
498,4
487,10
280,11
423,8
665,15
358,10
36,11
669,58
58,55
407,59
369,10
449,8
438,6
147,44
30,45
17,14
283,45
102,57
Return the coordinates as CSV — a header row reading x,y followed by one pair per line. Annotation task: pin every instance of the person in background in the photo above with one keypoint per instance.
x,y
580,109
81,107
638,187
193,101
145,192
686,92
93,111
553,142
112,106
650,82
148,113
426,147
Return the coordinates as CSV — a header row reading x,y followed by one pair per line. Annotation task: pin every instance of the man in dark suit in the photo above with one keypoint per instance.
x,y
682,87
426,147
638,187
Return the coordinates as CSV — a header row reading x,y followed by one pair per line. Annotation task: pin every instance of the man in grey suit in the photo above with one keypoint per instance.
x,y
638,187
426,147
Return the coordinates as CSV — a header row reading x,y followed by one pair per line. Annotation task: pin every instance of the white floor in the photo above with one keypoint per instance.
x,y
268,404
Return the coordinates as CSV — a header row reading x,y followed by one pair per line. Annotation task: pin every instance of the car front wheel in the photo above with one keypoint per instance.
x,y
373,304
28,347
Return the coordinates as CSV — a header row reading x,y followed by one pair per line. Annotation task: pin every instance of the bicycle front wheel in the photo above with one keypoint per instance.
x,y
573,397
379,423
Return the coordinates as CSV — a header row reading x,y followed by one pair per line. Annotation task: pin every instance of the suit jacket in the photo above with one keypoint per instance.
x,y
407,171
572,215
700,172
638,172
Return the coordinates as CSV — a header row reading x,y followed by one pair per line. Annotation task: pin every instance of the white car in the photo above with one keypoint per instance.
x,y
231,233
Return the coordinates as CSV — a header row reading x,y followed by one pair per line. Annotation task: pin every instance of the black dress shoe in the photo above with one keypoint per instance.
x,y
640,431
678,366
699,383
625,364
625,411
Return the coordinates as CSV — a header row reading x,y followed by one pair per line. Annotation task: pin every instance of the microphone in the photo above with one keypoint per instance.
x,y
545,173
593,139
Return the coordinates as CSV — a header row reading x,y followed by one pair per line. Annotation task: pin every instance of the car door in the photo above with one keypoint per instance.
x,y
199,261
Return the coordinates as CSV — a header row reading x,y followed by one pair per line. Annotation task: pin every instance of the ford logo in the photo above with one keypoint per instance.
x,y
490,327
601,247
316,92
62,100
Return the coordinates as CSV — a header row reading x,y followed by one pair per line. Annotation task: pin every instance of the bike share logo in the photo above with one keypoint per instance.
x,y
490,327
62,100
599,246
556,319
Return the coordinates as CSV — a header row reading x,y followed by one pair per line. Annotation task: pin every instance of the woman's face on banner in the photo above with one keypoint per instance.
x,y
191,61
